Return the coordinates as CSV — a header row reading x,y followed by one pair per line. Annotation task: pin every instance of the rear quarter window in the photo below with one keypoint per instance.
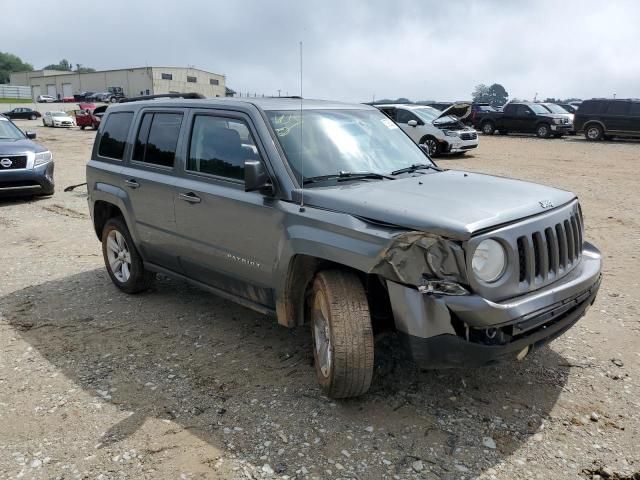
x,y
114,135
635,109
618,108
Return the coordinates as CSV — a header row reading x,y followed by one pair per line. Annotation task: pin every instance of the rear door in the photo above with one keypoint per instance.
x,y
149,177
228,237
635,118
617,116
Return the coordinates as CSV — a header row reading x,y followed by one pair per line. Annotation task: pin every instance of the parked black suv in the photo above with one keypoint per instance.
x,y
524,117
606,118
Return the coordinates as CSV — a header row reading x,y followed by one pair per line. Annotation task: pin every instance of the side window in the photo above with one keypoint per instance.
x,y
522,110
157,138
219,146
114,135
618,108
403,116
635,109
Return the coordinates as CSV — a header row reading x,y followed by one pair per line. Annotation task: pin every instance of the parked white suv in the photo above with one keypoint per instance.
x,y
45,99
439,132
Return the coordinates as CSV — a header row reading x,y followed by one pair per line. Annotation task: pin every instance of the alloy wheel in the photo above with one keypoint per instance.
x,y
321,334
119,256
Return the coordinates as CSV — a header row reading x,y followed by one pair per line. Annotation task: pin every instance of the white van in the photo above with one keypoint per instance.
x,y
439,132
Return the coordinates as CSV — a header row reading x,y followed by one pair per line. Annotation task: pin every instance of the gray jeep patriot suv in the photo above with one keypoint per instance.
x,y
328,213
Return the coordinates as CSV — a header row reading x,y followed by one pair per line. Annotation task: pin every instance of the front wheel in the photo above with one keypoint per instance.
x,y
543,130
122,259
593,132
342,334
432,146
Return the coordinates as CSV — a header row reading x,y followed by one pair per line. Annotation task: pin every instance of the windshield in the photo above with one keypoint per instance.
x,y
426,114
334,141
9,131
553,108
537,108
58,114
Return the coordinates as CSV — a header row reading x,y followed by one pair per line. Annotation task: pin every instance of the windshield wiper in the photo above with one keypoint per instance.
x,y
344,176
413,168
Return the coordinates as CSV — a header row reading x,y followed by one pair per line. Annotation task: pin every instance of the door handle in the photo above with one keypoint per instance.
x,y
132,183
189,197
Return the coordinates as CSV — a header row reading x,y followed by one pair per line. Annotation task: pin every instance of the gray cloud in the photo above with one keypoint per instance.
x,y
352,50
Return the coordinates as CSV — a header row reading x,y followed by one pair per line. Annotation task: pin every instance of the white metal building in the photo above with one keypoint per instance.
x,y
134,81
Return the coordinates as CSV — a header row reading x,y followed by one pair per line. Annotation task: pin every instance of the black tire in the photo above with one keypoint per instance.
x,y
543,130
139,279
339,312
81,127
593,132
432,145
33,117
488,128
43,124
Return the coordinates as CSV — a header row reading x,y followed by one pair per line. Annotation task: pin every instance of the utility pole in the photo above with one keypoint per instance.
x,y
278,92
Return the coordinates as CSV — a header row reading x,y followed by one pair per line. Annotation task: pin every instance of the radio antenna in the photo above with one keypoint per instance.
x,y
301,138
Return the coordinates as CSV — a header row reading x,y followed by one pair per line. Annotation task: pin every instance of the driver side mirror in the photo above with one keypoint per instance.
x,y
256,177
30,135
412,123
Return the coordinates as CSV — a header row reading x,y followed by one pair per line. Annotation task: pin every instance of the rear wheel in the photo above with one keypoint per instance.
x,y
488,128
342,334
593,132
81,127
432,146
122,259
33,117
543,130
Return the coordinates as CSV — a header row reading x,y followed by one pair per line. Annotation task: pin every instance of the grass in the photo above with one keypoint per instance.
x,y
16,100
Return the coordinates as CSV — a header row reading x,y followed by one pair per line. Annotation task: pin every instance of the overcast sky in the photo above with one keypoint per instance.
x,y
351,50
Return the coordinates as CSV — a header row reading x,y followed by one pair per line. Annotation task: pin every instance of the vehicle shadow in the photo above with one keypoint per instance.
x,y
237,380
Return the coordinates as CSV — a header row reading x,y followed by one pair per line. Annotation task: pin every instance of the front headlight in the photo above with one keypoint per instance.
x,y
557,120
451,133
489,260
42,158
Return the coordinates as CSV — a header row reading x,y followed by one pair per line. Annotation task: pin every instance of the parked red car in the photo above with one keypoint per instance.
x,y
89,115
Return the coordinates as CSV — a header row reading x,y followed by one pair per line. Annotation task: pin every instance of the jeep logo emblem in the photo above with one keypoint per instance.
x,y
6,163
546,204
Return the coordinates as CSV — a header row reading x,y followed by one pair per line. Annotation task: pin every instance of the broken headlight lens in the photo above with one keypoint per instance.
x,y
489,260
42,158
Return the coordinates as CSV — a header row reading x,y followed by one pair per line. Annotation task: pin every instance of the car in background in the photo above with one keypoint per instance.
x,y
68,99
57,119
569,107
89,116
478,109
524,117
22,113
555,108
45,99
437,132
82,96
26,168
606,118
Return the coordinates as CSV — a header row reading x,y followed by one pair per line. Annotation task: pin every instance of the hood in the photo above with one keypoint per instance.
x,y
458,110
16,147
87,106
453,204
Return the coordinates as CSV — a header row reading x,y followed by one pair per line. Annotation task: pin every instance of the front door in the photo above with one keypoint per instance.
x,y
228,237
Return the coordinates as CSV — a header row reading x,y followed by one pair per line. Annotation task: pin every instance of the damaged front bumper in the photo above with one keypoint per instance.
x,y
468,330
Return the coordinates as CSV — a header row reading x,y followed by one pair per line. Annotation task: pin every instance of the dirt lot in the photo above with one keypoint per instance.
x,y
177,383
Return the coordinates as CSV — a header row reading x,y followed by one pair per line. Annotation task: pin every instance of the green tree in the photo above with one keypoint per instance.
x,y
495,95
63,65
11,63
81,69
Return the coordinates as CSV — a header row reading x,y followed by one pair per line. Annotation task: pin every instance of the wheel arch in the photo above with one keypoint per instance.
x,y
301,271
102,212
588,123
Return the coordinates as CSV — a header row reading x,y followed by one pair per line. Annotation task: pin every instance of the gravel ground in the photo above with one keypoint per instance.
x,y
179,384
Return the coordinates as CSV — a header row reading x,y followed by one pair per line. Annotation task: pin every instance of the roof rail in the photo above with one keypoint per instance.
x,y
162,95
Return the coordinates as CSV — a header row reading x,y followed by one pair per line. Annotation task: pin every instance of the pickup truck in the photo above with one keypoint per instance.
x,y
328,214
524,117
